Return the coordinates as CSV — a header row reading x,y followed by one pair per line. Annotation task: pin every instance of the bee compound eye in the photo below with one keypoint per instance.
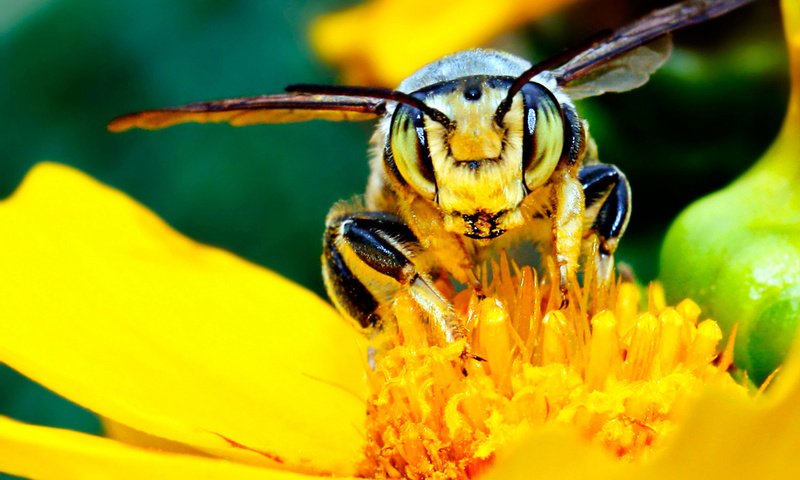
x,y
408,154
543,133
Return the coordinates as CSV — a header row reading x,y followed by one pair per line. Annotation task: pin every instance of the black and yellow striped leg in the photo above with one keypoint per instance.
x,y
368,257
608,202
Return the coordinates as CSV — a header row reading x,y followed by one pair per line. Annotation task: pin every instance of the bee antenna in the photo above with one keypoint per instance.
x,y
552,62
374,92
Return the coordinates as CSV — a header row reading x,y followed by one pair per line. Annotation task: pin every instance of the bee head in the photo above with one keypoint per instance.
x,y
490,152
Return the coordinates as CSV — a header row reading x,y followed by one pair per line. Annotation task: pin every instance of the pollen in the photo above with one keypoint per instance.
x,y
617,375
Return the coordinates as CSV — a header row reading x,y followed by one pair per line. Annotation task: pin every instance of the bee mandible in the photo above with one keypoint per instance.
x,y
472,153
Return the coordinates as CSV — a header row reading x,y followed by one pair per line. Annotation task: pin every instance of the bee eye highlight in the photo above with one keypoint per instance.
x,y
409,151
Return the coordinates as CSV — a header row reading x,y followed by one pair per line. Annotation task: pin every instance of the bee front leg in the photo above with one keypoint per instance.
x,y
608,201
371,254
568,208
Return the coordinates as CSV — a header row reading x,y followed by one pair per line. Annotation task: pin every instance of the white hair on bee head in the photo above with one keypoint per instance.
x,y
465,64
479,61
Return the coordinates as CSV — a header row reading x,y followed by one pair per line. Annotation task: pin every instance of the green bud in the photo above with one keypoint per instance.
x,y
737,252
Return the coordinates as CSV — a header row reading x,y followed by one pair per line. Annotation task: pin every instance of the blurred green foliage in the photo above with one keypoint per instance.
x,y
68,67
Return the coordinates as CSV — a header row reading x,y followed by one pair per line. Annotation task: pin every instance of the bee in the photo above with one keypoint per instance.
x,y
472,153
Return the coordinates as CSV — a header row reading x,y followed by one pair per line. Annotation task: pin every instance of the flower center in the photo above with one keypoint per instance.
x,y
618,377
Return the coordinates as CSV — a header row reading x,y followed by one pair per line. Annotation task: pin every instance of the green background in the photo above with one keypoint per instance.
x,y
68,67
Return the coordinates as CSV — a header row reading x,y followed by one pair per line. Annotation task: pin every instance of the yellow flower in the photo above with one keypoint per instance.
x,y
403,36
106,305
209,367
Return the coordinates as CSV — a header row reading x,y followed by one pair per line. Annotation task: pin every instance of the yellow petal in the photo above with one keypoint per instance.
x,y
42,452
383,41
554,454
725,435
105,304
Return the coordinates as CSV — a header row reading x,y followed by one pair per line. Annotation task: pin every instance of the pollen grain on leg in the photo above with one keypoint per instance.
x,y
618,375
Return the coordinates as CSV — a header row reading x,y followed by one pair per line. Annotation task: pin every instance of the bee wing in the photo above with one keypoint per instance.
x,y
281,108
625,72
625,57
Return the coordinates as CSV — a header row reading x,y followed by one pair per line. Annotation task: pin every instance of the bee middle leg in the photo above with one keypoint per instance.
x,y
568,210
368,255
607,200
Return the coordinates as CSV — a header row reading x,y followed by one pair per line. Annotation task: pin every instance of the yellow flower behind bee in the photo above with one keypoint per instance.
x,y
404,35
